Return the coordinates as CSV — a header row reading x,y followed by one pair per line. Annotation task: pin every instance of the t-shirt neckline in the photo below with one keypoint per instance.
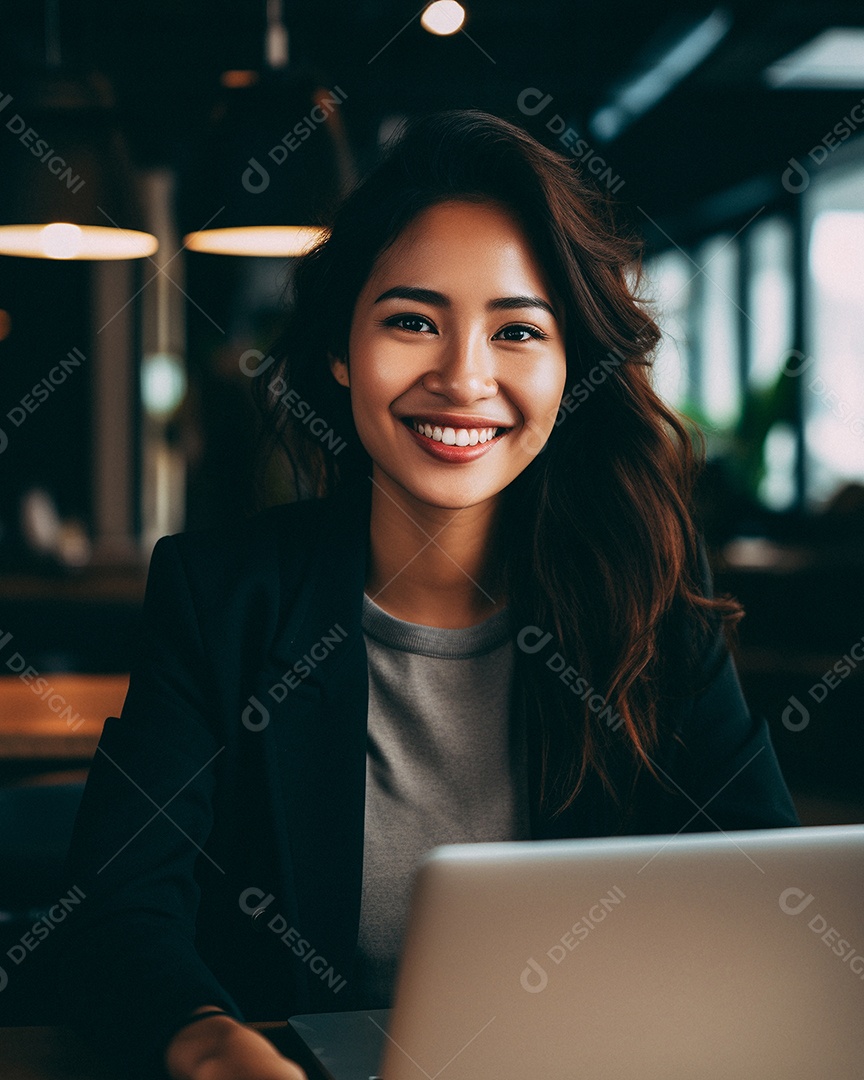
x,y
461,642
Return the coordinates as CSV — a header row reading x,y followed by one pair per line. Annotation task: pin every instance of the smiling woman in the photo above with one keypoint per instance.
x,y
521,637
444,384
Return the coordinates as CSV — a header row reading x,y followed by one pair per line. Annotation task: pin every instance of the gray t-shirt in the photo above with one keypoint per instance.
x,y
444,765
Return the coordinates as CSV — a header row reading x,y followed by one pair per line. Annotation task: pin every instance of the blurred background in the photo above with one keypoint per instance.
x,y
134,136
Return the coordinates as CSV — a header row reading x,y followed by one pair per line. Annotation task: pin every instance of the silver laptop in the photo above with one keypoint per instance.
x,y
698,957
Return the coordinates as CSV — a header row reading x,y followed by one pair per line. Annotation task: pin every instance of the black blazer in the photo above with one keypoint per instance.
x,y
219,840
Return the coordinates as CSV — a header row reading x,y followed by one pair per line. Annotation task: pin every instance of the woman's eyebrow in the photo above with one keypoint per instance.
x,y
507,303
412,292
437,299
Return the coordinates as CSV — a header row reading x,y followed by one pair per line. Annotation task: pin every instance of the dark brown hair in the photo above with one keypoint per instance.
x,y
600,542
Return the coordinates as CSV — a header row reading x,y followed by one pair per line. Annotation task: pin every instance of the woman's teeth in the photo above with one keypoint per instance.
x,y
454,436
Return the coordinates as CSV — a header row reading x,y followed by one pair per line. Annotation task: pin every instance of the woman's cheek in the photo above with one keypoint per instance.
x,y
540,396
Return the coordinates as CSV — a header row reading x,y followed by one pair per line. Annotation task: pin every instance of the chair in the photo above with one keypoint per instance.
x,y
36,821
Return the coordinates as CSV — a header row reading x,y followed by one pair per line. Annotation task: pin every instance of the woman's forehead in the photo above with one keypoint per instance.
x,y
451,239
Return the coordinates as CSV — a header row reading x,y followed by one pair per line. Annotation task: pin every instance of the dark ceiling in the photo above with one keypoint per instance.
x,y
720,127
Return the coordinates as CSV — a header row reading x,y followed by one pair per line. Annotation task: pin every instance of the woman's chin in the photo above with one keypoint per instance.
x,y
453,493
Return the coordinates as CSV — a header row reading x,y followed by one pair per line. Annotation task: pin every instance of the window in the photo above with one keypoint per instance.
x,y
769,299
833,378
670,279
717,328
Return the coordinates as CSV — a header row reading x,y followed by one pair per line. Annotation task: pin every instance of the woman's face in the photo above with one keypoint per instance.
x,y
456,361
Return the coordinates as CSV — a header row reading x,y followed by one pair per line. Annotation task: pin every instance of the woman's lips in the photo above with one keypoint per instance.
x,y
449,451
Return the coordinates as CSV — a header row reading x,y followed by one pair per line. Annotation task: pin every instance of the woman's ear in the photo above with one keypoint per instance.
x,y
339,367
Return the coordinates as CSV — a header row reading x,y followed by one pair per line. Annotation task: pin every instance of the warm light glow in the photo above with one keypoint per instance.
x,y
443,17
62,240
237,78
279,241
5,324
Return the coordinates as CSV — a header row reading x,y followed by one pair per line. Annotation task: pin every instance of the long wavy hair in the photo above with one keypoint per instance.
x,y
600,543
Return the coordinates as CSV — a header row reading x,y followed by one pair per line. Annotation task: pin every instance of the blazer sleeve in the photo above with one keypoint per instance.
x,y
129,972
724,770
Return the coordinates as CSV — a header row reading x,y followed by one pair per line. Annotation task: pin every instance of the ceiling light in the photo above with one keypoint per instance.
x,y
642,92
278,241
69,185
64,240
832,60
443,17
272,162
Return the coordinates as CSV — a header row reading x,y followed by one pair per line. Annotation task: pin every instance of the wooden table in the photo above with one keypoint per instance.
x,y
56,715
54,1053
47,1053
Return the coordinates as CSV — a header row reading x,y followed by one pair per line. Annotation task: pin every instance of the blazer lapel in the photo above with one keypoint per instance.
x,y
314,692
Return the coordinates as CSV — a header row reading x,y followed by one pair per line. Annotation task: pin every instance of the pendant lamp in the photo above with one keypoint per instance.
x,y
272,161
70,186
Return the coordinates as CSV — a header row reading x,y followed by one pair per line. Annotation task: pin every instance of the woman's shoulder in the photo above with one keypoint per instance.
x,y
246,552
277,542
269,525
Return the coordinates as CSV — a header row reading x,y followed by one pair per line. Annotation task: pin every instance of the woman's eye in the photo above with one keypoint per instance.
x,y
520,332
415,323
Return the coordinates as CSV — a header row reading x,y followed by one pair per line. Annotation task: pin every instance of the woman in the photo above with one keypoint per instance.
x,y
488,618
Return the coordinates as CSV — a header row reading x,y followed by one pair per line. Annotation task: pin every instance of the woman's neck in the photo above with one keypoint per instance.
x,y
432,565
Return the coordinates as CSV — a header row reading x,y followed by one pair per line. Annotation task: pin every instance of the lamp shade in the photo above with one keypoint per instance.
x,y
69,179
270,164
268,240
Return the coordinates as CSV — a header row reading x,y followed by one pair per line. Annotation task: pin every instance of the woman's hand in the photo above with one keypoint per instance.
x,y
221,1048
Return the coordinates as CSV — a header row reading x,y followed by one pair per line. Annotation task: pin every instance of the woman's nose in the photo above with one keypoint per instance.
x,y
463,371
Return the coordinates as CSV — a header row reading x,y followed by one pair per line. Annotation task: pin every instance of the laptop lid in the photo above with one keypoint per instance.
x,y
710,956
